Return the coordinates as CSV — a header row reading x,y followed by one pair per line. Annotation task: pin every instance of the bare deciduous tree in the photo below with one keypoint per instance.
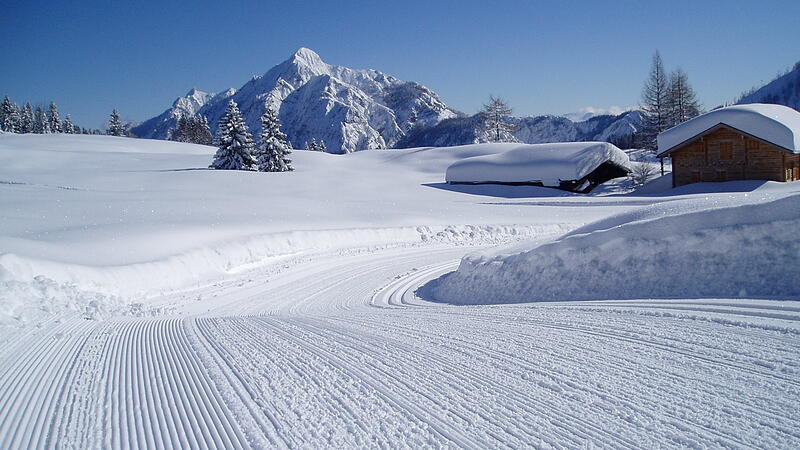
x,y
642,173
495,119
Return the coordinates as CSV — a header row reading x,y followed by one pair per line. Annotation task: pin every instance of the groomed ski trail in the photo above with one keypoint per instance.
x,y
338,351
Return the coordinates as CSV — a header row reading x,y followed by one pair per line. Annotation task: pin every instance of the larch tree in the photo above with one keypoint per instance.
x,y
115,124
53,119
272,152
235,142
683,104
495,120
655,103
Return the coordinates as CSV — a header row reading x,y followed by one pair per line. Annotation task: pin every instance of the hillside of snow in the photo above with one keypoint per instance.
x,y
740,245
148,302
349,109
133,217
784,90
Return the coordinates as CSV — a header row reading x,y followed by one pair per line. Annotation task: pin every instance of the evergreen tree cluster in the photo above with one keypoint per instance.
x,y
192,129
315,146
39,120
237,151
667,100
27,120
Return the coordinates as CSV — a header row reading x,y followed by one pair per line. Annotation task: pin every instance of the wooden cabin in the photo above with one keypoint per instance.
x,y
743,142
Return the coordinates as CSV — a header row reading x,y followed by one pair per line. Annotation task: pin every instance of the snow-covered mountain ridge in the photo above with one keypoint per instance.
x,y
530,130
349,109
784,90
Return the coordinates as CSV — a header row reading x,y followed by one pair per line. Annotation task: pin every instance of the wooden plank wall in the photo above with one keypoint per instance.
x,y
726,154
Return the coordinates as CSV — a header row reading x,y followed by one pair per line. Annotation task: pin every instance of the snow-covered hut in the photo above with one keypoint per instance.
x,y
742,142
573,166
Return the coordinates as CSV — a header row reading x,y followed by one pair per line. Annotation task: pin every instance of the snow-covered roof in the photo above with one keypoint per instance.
x,y
545,163
777,124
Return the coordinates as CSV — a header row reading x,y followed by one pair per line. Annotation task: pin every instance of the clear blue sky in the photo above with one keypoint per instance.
x,y
543,57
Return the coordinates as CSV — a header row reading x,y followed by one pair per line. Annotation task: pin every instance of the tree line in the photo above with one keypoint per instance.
x,y
26,119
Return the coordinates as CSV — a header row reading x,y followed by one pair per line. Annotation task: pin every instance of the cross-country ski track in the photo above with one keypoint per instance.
x,y
337,350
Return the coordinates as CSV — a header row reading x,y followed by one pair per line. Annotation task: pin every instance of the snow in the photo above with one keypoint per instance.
x,y
147,302
349,109
777,124
735,246
545,163
134,217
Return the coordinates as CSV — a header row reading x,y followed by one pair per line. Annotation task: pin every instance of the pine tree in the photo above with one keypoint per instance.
x,y
235,142
69,127
115,125
40,125
313,146
683,104
7,120
26,119
53,119
272,153
15,119
181,131
202,133
655,103
321,146
495,119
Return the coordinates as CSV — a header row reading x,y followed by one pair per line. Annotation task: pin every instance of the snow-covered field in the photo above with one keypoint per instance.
x,y
147,302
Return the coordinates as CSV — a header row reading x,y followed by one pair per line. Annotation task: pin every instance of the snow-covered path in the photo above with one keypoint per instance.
x,y
336,350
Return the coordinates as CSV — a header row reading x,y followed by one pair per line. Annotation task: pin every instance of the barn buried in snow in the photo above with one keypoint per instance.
x,y
572,166
742,142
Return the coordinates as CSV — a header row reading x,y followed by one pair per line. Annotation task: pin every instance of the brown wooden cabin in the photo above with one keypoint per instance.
x,y
724,153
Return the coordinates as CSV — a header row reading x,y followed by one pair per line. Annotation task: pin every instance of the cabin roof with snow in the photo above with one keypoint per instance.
x,y
777,125
567,165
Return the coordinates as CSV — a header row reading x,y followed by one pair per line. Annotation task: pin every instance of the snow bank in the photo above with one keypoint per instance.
x,y
684,249
545,163
773,123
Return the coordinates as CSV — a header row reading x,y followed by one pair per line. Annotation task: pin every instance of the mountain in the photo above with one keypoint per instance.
x,y
784,90
349,109
616,129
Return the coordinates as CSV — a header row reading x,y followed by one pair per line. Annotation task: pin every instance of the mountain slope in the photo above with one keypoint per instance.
x,y
784,90
530,130
348,109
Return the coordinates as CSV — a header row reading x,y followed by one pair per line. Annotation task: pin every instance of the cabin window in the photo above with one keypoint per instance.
x,y
751,144
722,175
726,150
695,176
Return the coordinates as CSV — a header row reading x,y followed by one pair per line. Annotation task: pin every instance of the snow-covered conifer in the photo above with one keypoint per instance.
x,y
7,120
181,131
26,119
313,146
202,133
235,142
272,153
53,119
321,146
115,124
69,127
40,125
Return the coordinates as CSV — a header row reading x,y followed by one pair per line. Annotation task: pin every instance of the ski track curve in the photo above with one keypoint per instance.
x,y
337,350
